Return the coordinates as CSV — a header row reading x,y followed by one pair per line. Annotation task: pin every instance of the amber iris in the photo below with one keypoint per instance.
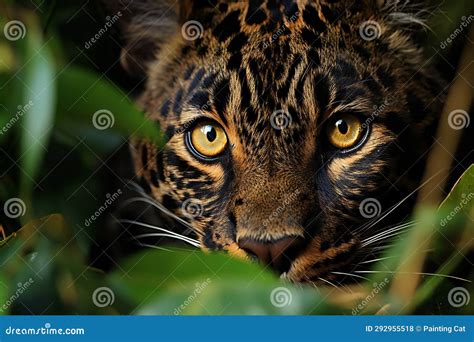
x,y
344,131
208,139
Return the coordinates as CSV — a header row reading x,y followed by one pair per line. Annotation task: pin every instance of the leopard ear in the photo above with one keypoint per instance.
x,y
408,15
145,26
414,8
405,6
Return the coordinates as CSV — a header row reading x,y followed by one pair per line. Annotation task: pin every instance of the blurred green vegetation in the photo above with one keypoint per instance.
x,y
62,87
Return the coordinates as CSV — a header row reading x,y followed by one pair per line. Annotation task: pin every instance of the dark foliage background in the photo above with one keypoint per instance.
x,y
58,163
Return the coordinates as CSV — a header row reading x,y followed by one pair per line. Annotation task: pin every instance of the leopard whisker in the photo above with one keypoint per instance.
x,y
381,248
314,285
386,234
417,273
328,282
154,247
163,209
168,236
350,275
389,257
168,232
391,229
375,260
379,218
150,200
382,238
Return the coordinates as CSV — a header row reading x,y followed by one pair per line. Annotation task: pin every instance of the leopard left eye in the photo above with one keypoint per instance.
x,y
207,140
345,131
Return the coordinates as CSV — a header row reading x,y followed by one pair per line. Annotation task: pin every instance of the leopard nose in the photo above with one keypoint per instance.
x,y
278,254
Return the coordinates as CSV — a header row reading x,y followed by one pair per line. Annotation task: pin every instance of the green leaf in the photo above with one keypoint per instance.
x,y
447,223
455,214
37,75
458,206
92,107
194,282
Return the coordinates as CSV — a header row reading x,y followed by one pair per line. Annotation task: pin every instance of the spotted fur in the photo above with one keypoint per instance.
x,y
309,59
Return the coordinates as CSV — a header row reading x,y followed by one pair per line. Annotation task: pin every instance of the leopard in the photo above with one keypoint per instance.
x,y
297,130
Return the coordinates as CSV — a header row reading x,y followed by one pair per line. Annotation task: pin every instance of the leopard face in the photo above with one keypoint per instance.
x,y
293,126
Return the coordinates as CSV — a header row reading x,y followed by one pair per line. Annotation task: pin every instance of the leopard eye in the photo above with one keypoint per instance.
x,y
208,139
344,131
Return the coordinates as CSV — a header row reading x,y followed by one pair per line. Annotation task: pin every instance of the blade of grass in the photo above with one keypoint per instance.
x,y
464,186
413,254
37,75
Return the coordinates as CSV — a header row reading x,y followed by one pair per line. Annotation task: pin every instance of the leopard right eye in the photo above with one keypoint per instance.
x,y
207,140
345,131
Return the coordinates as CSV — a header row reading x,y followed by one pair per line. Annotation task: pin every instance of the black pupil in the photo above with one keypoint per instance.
x,y
342,126
211,133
